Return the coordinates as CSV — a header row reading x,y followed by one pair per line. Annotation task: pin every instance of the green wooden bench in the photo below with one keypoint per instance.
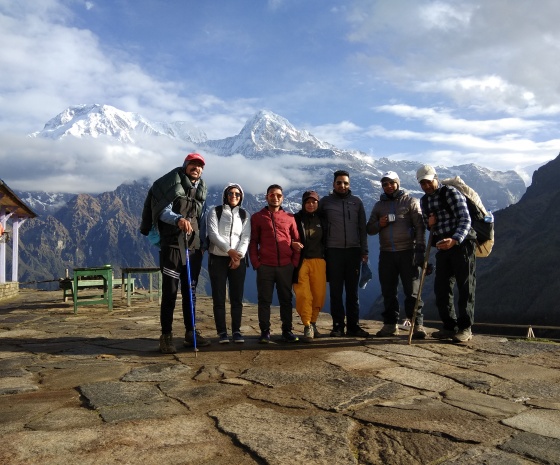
x,y
67,286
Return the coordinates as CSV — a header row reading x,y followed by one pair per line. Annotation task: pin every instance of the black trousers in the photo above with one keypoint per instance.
x,y
456,265
174,271
392,266
221,275
267,277
343,273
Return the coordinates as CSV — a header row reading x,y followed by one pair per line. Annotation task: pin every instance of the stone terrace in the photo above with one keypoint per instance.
x,y
92,388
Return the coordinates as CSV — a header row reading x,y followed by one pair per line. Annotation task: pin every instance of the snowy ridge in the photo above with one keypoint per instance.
x,y
94,120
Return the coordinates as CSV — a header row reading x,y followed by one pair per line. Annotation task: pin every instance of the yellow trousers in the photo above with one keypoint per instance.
x,y
311,289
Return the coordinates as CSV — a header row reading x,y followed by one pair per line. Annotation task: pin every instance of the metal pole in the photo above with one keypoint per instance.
x,y
188,266
421,285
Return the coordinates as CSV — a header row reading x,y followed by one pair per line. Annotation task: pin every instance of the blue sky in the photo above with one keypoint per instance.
x,y
441,82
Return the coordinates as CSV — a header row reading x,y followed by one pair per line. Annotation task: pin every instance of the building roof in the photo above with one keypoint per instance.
x,y
13,203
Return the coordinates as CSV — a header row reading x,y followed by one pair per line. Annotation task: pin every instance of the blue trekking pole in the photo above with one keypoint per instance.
x,y
188,267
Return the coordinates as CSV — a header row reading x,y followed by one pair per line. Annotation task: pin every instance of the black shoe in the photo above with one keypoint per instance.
x,y
337,332
288,336
200,341
358,332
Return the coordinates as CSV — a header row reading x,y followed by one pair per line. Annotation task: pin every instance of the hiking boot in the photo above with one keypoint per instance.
x,y
308,333
358,332
315,332
288,336
388,330
166,344
419,332
200,341
463,335
224,339
265,337
337,331
443,334
238,337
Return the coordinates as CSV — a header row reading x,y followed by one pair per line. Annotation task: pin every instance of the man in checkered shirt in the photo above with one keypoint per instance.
x,y
445,213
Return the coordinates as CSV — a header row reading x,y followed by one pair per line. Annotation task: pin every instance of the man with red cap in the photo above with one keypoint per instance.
x,y
175,207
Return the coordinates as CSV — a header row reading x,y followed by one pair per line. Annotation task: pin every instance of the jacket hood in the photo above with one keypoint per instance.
x,y
230,185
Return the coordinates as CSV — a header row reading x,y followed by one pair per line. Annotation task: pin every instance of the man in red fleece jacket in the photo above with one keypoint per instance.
x,y
272,232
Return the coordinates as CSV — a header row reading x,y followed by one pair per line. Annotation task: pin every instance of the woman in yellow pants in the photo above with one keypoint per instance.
x,y
310,277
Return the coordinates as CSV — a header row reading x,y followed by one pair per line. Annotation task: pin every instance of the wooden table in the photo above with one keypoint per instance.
x,y
105,274
127,279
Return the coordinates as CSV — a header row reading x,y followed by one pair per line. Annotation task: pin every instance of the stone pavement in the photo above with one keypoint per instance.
x,y
92,388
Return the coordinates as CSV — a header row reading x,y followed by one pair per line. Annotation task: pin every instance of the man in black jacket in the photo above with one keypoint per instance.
x,y
346,249
175,207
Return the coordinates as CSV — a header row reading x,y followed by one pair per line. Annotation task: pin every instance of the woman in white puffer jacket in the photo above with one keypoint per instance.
x,y
229,232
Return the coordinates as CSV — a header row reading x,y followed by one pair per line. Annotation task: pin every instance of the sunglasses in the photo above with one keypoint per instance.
x,y
388,183
234,194
342,183
275,195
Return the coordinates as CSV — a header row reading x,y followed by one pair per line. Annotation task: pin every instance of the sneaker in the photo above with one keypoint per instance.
x,y
463,335
238,337
265,337
315,332
166,344
337,332
308,333
224,339
288,336
419,332
358,332
388,330
200,340
443,334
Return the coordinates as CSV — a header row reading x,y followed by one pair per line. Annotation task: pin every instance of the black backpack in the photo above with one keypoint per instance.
x,y
482,221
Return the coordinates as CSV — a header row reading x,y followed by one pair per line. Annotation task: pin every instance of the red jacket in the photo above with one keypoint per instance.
x,y
272,234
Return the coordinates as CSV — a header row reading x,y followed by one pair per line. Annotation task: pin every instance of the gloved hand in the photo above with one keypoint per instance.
x,y
430,269
419,251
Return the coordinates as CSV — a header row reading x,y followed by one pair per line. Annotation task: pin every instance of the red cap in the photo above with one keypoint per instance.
x,y
193,157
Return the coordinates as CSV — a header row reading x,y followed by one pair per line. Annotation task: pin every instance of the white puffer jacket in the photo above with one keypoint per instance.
x,y
230,232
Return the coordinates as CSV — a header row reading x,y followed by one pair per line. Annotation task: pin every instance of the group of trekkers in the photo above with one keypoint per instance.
x,y
326,241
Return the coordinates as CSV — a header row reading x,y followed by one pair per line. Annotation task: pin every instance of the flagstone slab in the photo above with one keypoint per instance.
x,y
158,372
538,421
317,439
354,360
525,390
521,371
486,456
175,440
541,448
405,349
111,393
418,379
83,373
482,404
18,381
424,414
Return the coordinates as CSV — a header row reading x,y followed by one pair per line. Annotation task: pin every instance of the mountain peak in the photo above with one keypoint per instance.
x,y
96,120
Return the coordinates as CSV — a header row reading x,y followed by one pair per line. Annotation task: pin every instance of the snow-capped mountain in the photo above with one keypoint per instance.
x,y
267,136
267,133
104,120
